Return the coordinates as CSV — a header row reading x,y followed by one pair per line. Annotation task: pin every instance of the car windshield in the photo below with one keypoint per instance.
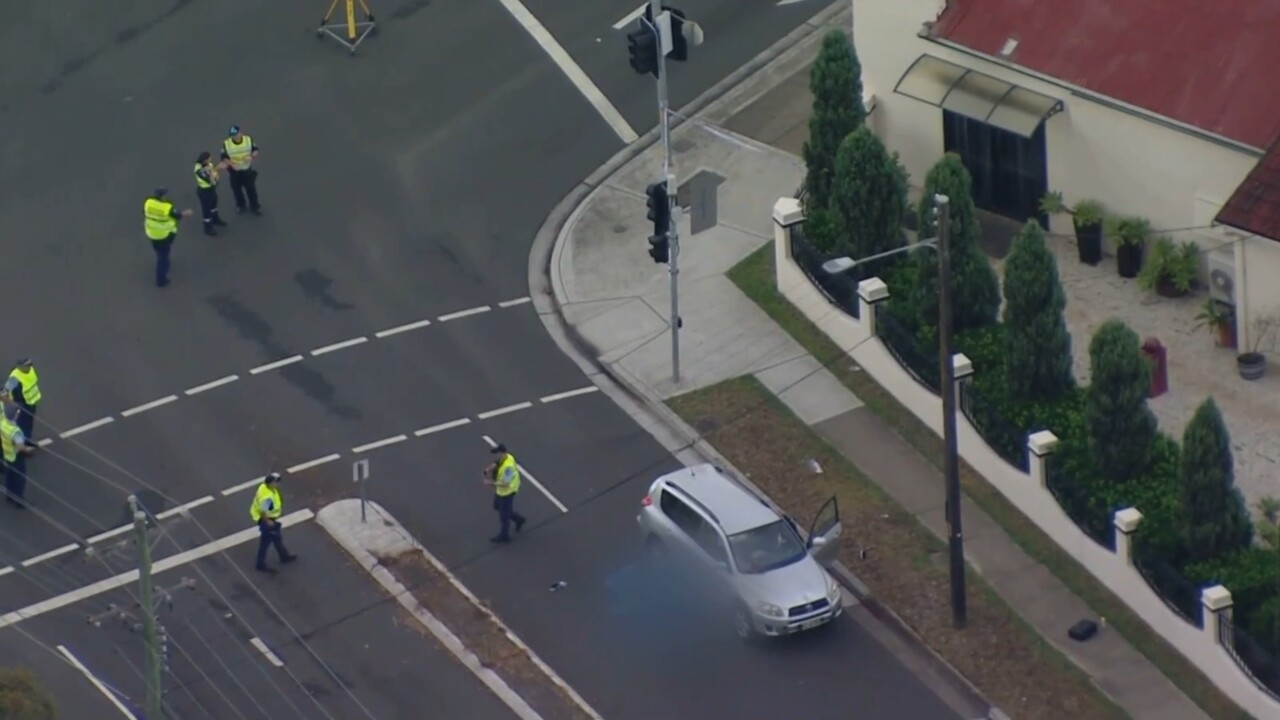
x,y
766,548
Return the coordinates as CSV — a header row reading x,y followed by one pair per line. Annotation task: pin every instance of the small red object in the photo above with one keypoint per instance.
x,y
1158,355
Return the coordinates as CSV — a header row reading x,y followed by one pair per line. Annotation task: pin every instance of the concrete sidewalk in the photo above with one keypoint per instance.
x,y
614,305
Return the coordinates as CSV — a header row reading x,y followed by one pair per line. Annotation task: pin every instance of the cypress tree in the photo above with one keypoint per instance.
x,y
1038,344
869,195
1122,429
836,82
1216,519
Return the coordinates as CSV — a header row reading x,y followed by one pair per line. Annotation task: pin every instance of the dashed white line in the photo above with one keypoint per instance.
x,y
276,364
45,442
148,406
49,555
464,313
526,475
570,393
575,74
243,486
6,571
630,17
380,443
442,426
339,346
513,303
87,427
211,385
266,651
107,535
312,463
98,684
185,507
504,410
402,328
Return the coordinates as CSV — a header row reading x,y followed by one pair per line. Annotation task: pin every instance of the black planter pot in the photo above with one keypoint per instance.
x,y
1129,260
1252,365
1166,288
1089,244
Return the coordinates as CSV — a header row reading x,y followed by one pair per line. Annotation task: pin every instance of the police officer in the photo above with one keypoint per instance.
x,y
14,449
239,152
23,389
266,510
207,191
160,221
504,476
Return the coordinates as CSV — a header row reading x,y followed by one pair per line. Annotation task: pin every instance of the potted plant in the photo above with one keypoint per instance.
x,y
1131,237
1086,216
1171,268
1220,318
1253,364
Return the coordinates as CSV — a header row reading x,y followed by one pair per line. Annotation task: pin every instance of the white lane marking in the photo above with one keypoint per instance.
x,y
339,346
571,69
442,426
464,313
630,17
149,406
211,385
102,688
276,364
402,328
570,393
6,571
525,475
185,507
88,426
312,463
266,651
504,410
380,443
243,486
49,555
131,576
517,301
107,535
45,442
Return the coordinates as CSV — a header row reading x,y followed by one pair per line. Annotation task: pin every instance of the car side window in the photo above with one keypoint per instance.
x,y
685,517
711,543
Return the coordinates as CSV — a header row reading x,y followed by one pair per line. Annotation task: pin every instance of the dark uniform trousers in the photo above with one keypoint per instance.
x,y
506,507
271,536
208,206
244,183
27,421
15,479
162,248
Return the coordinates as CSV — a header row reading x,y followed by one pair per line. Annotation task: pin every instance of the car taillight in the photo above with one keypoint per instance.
x,y
646,502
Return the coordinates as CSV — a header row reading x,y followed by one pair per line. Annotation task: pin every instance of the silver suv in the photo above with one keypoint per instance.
x,y
772,579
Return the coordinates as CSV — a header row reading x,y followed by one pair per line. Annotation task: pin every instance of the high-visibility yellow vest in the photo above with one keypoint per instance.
x,y
7,431
266,492
30,385
159,222
213,176
240,153
508,463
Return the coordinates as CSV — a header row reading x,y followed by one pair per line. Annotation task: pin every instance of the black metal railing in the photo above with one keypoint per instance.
x,y
1258,660
1006,437
841,289
919,362
1073,497
1178,593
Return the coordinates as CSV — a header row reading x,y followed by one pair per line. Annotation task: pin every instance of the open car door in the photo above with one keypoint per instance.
x,y
824,534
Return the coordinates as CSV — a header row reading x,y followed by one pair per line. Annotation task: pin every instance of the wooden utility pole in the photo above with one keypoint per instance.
x,y
951,461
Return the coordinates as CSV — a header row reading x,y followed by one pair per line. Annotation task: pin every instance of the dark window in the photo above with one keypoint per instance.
x,y
1009,171
711,543
685,517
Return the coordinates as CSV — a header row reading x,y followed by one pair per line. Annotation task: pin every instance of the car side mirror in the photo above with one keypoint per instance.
x,y
817,541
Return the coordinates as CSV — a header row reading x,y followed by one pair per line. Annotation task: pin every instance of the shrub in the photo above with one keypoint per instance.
x,y
1122,429
1037,343
836,83
21,697
869,195
1215,520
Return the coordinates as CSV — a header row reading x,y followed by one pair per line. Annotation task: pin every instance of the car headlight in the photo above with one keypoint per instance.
x,y
769,609
833,591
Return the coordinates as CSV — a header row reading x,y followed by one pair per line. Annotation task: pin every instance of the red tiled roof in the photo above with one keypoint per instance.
x,y
1212,64
1255,205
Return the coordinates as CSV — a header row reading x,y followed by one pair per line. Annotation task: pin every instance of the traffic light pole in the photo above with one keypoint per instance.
x,y
668,173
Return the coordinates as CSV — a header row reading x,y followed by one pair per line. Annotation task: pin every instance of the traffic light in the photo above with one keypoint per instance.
x,y
659,203
679,45
642,44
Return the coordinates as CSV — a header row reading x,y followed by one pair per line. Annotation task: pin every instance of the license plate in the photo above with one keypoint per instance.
x,y
812,624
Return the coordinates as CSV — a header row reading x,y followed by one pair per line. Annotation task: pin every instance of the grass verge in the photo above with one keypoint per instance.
x,y
755,277
906,570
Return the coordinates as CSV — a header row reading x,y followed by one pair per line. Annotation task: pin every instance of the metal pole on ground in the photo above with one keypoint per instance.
x,y
146,599
951,460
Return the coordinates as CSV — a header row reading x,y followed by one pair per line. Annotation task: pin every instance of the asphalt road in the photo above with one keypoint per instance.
x,y
375,661
400,186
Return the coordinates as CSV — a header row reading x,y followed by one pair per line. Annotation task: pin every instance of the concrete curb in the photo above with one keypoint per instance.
x,y
633,395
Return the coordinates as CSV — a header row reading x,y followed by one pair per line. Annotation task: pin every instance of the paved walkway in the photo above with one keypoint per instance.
x,y
616,301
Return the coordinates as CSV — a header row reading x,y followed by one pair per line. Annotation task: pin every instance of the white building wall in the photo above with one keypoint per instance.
x,y
1130,164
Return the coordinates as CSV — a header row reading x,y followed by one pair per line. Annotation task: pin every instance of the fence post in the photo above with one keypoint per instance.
x,y
1217,602
1126,522
871,292
1041,445
787,213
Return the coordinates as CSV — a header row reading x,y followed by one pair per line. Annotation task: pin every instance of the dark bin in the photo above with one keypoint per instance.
x,y
1158,355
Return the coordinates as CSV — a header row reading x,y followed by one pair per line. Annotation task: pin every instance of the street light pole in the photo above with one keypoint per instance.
x,y
951,456
668,174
